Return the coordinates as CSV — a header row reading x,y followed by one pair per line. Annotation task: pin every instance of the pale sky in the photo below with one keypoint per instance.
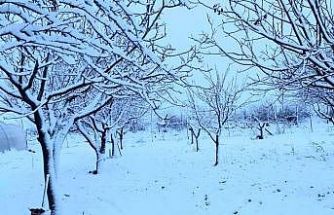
x,y
183,23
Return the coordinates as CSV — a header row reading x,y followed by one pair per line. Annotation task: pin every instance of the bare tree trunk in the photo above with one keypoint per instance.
x,y
297,116
260,128
49,165
311,124
261,133
98,162
192,135
112,145
99,150
196,145
121,136
196,139
216,150
103,141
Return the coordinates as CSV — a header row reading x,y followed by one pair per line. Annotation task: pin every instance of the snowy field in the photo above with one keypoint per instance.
x,y
286,174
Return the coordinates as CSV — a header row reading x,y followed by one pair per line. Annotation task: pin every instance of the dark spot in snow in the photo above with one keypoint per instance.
x,y
311,187
235,212
260,202
206,200
249,200
222,182
32,151
67,195
278,190
163,187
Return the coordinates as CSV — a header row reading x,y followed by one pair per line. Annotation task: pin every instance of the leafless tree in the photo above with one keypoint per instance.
x,y
214,104
96,129
62,61
291,41
262,115
194,135
323,103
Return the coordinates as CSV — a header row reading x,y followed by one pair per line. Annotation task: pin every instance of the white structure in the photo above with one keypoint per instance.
x,y
12,137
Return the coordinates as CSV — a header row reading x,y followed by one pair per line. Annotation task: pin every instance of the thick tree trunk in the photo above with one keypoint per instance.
x,y
48,166
216,150
51,146
103,142
50,157
98,162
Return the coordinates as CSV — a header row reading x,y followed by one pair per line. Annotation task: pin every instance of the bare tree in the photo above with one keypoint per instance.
x,y
262,116
108,125
96,130
62,61
194,135
323,103
129,110
291,41
213,105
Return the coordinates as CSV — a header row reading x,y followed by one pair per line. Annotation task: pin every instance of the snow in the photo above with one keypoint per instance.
x,y
285,174
11,137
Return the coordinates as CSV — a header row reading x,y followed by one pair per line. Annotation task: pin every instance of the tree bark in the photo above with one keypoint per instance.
x,y
103,142
192,135
260,128
49,166
49,170
112,145
196,145
216,150
98,162
121,136
196,139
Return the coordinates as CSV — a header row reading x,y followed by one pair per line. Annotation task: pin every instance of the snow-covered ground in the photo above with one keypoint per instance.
x,y
286,174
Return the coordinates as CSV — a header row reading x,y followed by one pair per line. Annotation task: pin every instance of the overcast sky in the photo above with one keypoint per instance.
x,y
183,24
